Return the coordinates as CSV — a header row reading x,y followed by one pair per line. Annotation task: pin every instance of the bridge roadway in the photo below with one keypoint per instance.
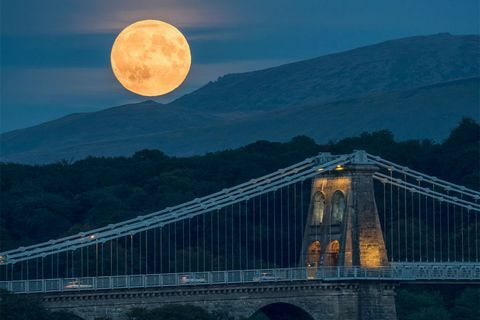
x,y
349,293
397,272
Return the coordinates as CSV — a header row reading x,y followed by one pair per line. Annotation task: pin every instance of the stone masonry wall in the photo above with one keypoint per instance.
x,y
323,301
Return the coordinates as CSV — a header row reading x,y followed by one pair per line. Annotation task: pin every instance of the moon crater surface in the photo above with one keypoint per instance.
x,y
150,58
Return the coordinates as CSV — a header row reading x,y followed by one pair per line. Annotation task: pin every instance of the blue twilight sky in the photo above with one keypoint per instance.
x,y
55,53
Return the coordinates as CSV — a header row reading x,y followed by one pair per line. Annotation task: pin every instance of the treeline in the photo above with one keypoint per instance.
x,y
447,302
45,202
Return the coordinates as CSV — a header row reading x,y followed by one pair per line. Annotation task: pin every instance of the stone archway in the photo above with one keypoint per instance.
x,y
281,311
331,253
313,254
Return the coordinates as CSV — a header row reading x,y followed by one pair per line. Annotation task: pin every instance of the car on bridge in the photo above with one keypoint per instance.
x,y
265,276
189,279
76,284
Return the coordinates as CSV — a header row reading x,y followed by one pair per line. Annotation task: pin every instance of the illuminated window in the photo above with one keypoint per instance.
x,y
338,207
318,208
313,254
331,254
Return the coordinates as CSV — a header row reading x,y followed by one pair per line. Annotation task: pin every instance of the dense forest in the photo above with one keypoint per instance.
x,y
39,203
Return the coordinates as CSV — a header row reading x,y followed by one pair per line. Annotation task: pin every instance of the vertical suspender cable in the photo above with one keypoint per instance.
x,y
51,266
426,229
101,258
295,233
412,198
454,233
302,225
288,226
116,256
468,234
160,245
281,228
190,244
448,229
140,252
384,211
204,243
398,224
197,243
218,239
146,251
155,250
240,231
111,258
476,234
225,243
260,251
81,262
440,228
232,233
461,229
131,254
419,222
211,241
274,228
405,215
254,232
267,226
96,258
169,251
434,229
174,247
182,248
125,248
391,217
247,239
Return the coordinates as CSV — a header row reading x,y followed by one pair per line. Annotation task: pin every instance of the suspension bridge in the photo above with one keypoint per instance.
x,y
332,235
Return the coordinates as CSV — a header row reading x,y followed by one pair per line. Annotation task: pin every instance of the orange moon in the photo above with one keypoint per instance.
x,y
150,58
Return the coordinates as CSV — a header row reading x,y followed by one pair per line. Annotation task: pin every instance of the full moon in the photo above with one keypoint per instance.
x,y
150,58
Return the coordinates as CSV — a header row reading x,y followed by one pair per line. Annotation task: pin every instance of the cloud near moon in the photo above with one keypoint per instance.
x,y
150,58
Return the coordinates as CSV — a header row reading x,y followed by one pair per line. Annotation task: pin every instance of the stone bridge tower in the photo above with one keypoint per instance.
x,y
343,227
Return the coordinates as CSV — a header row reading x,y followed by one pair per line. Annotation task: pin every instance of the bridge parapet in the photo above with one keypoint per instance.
x,y
396,272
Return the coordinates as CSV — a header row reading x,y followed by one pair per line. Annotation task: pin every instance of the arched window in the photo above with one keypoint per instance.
x,y
318,208
331,253
338,207
313,254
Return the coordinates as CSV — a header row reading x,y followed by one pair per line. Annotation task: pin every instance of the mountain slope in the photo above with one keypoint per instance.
x,y
417,87
427,112
389,66
109,124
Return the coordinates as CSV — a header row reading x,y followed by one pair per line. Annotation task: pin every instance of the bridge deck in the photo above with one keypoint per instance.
x,y
399,272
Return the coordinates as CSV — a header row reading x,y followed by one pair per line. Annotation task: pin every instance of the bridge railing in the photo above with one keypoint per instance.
x,y
395,272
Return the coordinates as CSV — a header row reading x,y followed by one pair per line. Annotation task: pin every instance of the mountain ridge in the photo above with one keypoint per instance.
x,y
181,128
388,61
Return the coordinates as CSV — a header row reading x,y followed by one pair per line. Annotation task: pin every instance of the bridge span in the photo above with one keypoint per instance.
x,y
434,273
331,235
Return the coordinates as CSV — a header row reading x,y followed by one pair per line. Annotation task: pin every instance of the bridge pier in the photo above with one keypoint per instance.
x,y
321,300
343,227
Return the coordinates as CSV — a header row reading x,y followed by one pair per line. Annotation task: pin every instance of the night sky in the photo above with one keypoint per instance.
x,y
55,54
